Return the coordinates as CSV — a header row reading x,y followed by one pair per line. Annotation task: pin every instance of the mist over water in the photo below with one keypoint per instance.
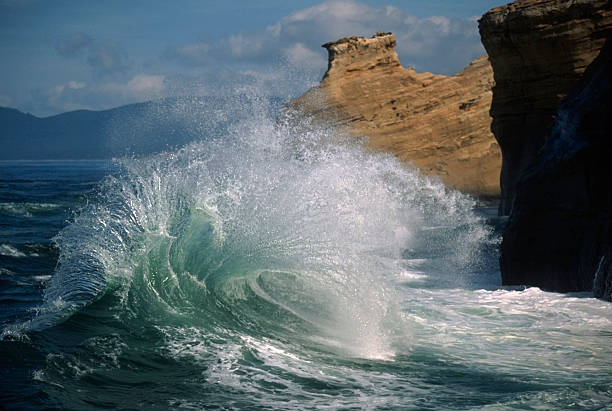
x,y
281,264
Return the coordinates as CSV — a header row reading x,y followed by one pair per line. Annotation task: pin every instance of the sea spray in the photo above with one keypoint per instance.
x,y
283,265
269,221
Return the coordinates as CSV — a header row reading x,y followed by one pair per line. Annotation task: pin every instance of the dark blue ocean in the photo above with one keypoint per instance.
x,y
37,200
274,266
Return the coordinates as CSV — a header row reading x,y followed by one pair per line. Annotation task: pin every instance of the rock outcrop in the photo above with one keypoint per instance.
x,y
538,49
441,124
559,235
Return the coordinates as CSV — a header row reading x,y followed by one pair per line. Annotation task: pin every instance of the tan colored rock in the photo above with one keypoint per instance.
x,y
539,50
441,124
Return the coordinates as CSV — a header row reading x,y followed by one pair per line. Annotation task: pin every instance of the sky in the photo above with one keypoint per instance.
x,y
60,55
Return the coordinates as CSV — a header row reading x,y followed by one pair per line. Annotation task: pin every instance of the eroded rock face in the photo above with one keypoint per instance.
x,y
559,235
538,49
441,124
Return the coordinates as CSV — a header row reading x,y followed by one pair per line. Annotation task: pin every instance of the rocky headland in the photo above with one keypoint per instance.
x,y
551,116
440,124
539,49
546,84
559,234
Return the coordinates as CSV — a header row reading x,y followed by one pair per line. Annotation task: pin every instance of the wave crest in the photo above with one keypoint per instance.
x,y
270,227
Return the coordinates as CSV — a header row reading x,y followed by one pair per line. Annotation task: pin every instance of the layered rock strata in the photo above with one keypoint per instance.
x,y
440,124
538,49
559,235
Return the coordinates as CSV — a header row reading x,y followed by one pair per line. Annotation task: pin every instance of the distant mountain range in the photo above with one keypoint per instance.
x,y
134,129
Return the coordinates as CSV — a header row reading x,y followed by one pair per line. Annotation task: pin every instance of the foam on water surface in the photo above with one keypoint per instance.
x,y
281,264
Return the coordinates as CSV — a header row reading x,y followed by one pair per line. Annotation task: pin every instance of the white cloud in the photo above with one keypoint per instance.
x,y
5,100
335,10
192,54
56,92
97,96
274,30
195,49
59,91
75,85
300,55
442,24
146,84
330,20
104,58
437,43
107,58
245,46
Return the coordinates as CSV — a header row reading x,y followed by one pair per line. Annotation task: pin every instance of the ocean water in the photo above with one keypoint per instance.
x,y
274,264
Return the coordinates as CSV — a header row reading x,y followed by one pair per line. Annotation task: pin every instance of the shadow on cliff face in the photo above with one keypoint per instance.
x,y
559,235
539,50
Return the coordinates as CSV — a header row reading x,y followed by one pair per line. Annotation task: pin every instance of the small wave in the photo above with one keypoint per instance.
x,y
41,278
26,250
14,333
28,210
10,251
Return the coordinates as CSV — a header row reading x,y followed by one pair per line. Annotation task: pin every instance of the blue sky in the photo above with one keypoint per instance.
x,y
60,55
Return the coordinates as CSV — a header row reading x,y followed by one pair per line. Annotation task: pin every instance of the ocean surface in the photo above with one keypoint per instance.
x,y
274,264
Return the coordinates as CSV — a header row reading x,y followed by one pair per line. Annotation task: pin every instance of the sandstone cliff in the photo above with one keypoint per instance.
x,y
559,235
441,124
539,50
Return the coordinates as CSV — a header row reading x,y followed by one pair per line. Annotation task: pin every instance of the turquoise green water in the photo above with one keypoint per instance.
x,y
284,267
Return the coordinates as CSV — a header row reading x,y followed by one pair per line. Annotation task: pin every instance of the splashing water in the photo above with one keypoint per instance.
x,y
261,224
280,264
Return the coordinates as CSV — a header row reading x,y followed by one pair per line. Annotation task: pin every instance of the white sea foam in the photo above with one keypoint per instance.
x,y
27,210
285,267
10,251
302,217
